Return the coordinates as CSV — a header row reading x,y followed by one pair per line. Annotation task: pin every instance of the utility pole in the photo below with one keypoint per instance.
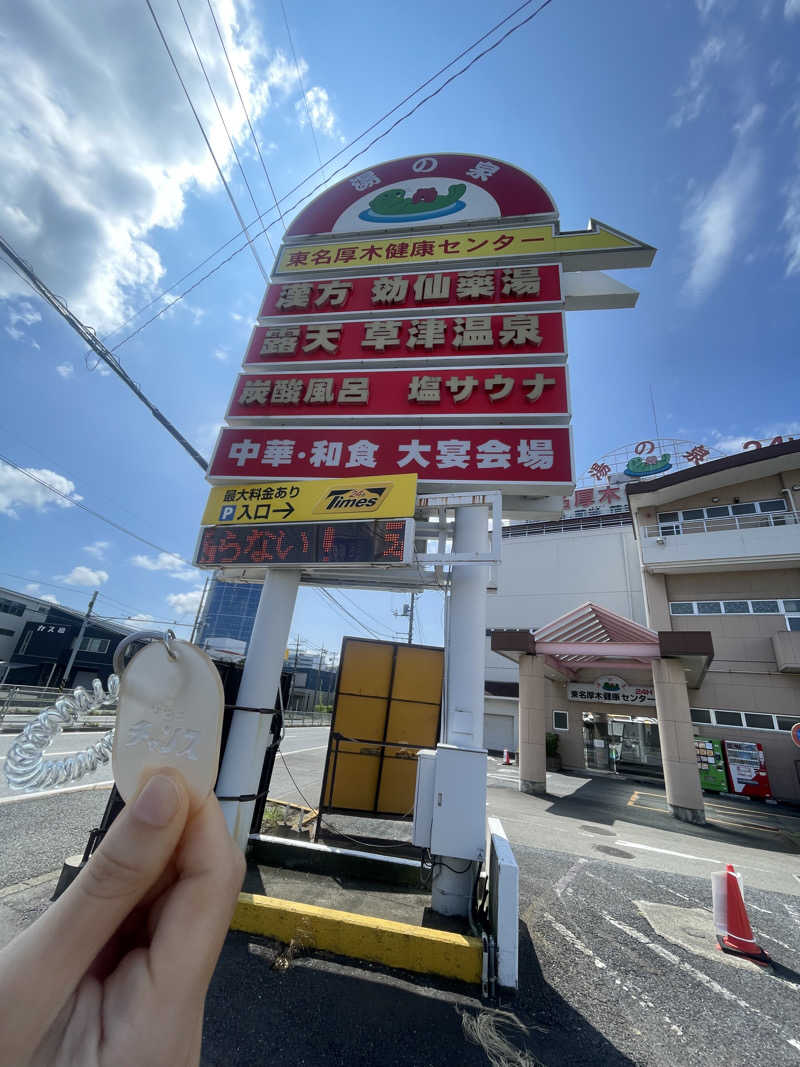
x,y
199,611
79,638
408,613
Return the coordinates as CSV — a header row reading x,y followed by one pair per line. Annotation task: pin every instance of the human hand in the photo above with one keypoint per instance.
x,y
116,971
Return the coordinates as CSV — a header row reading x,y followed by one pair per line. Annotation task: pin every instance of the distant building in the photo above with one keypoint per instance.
x,y
228,615
37,638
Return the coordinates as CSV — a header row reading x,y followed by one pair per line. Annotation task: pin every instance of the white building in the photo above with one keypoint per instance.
x,y
550,568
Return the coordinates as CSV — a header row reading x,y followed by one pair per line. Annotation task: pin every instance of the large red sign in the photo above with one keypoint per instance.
x,y
394,293
472,335
496,391
491,455
441,189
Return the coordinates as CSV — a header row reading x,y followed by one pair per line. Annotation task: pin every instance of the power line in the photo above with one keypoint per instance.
x,y
336,155
341,608
88,335
302,87
222,119
246,115
208,143
91,511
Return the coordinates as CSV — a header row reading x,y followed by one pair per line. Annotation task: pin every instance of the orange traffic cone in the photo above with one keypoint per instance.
x,y
734,933
507,762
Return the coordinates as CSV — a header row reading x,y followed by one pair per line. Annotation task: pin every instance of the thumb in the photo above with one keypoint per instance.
x,y
132,856
45,963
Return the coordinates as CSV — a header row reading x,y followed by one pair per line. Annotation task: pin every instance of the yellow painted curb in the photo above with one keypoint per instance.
x,y
363,937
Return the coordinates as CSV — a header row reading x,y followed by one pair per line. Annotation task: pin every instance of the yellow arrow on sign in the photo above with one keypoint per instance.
x,y
598,247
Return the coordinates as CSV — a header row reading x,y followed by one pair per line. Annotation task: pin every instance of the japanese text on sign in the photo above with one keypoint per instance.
x,y
491,286
468,335
481,390
479,244
496,454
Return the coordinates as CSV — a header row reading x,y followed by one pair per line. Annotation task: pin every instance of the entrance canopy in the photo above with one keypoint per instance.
x,y
590,637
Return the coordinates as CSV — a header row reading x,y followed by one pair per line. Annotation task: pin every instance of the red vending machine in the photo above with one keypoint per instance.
x,y
747,768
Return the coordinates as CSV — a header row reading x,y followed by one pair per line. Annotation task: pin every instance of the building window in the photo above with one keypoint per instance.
x,y
758,722
682,608
728,718
560,720
96,645
772,505
723,511
793,622
12,607
744,509
766,607
709,607
6,633
789,607
701,715
785,723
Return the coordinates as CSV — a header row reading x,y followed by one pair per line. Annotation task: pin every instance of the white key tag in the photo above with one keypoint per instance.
x,y
169,715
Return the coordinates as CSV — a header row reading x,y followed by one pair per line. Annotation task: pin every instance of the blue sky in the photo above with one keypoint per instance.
x,y
676,122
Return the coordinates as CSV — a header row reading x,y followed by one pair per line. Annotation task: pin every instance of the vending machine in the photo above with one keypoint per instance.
x,y
747,768
711,765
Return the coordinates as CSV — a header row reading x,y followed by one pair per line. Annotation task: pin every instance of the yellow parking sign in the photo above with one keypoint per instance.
x,y
312,501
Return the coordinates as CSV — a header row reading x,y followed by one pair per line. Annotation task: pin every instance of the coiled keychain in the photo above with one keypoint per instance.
x,y
170,706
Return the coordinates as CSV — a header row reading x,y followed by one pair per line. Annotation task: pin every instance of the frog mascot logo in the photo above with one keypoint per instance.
x,y
393,205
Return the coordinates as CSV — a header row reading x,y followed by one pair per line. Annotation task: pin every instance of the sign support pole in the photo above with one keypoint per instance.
x,y
452,884
249,735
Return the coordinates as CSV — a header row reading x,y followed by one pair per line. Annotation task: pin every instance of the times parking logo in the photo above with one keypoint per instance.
x,y
359,500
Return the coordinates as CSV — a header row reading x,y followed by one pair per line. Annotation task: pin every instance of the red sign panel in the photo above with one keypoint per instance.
x,y
390,293
472,335
496,391
492,454
444,188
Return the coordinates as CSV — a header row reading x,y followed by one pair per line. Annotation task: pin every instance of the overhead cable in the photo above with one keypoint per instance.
x,y
336,155
246,114
208,143
94,342
91,511
302,88
222,118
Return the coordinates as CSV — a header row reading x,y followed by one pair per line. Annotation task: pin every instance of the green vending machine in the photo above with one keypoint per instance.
x,y
711,765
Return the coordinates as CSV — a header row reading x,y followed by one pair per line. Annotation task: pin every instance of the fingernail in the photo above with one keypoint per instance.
x,y
158,802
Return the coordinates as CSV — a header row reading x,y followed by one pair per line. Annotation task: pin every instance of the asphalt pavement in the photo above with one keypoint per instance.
x,y
618,963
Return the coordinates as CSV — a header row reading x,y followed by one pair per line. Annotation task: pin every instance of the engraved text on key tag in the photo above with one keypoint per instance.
x,y
170,715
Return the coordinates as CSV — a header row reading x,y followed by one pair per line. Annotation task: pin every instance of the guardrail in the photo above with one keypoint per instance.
x,y
306,718
760,520
537,529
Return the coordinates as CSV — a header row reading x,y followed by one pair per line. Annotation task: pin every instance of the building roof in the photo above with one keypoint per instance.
x,y
740,467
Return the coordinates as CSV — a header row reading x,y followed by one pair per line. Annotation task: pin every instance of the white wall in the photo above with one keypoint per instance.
x,y
544,576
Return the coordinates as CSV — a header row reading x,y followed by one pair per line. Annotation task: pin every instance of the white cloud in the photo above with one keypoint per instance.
x,y
317,107
32,588
66,370
694,94
50,598
791,9
186,603
164,561
74,101
715,218
728,443
97,549
18,491
220,354
23,313
84,576
142,617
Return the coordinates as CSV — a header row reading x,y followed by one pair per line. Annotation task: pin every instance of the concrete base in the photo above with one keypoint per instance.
x,y
692,815
538,789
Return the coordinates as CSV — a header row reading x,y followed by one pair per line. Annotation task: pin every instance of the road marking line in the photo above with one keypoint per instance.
x,y
668,852
29,883
294,751
747,825
570,876
575,942
699,976
58,790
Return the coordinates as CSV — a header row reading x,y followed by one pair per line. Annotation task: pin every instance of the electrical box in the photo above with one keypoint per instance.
x,y
423,798
458,825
